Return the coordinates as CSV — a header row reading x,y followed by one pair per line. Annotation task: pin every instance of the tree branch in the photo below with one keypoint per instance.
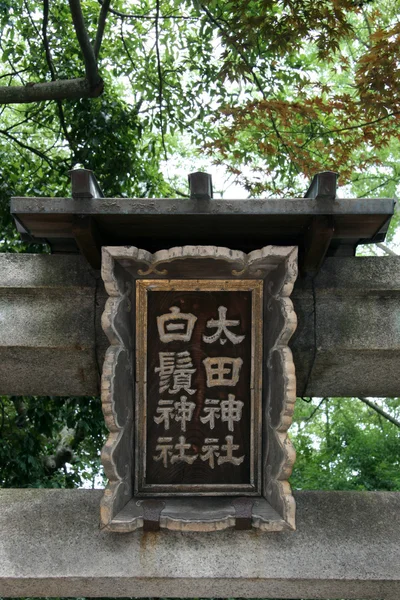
x,y
62,89
359,125
89,57
122,15
13,73
46,41
380,411
160,77
314,411
105,7
376,187
387,250
32,149
63,455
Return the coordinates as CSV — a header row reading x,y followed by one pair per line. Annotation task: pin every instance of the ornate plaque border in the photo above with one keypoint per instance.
x,y
207,285
122,268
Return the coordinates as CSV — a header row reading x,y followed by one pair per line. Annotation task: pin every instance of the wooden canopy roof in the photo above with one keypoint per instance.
x,y
320,224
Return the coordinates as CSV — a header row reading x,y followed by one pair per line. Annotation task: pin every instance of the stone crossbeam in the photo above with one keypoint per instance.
x,y
51,342
346,546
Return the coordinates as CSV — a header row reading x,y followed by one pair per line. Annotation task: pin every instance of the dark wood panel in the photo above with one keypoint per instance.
x,y
204,401
199,386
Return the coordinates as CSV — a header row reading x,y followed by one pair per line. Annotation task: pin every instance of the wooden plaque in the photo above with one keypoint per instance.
x,y
198,388
198,358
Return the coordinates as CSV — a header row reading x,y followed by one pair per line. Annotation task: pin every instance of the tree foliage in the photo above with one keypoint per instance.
x,y
327,99
50,442
342,444
272,90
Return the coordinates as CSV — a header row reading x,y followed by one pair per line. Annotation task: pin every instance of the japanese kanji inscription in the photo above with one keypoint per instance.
x,y
199,387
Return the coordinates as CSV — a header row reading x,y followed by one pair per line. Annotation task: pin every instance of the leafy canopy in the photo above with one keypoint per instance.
x,y
275,91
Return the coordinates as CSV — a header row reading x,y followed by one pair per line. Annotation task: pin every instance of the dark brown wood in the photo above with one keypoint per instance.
x,y
317,241
243,513
323,186
84,184
156,224
151,514
88,239
200,400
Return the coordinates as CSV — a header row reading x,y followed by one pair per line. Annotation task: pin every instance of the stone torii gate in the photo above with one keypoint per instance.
x,y
347,344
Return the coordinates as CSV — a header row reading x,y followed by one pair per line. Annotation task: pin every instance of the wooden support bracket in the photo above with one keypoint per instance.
x,y
88,239
321,229
151,514
317,241
243,513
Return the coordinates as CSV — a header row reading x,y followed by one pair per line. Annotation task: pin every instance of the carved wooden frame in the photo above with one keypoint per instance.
x,y
251,285
121,268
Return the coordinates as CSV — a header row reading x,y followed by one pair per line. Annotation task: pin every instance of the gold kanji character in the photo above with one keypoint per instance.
x,y
222,325
211,450
184,411
175,325
212,411
165,447
231,411
176,368
166,412
229,448
222,370
182,456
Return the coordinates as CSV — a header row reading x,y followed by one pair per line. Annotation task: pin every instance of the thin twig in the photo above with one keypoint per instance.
x,y
46,44
14,73
105,7
380,411
376,187
314,411
160,78
122,15
17,124
42,155
360,125
387,250
366,21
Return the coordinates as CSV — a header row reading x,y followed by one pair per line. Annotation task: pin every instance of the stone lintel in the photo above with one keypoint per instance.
x,y
346,546
347,341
